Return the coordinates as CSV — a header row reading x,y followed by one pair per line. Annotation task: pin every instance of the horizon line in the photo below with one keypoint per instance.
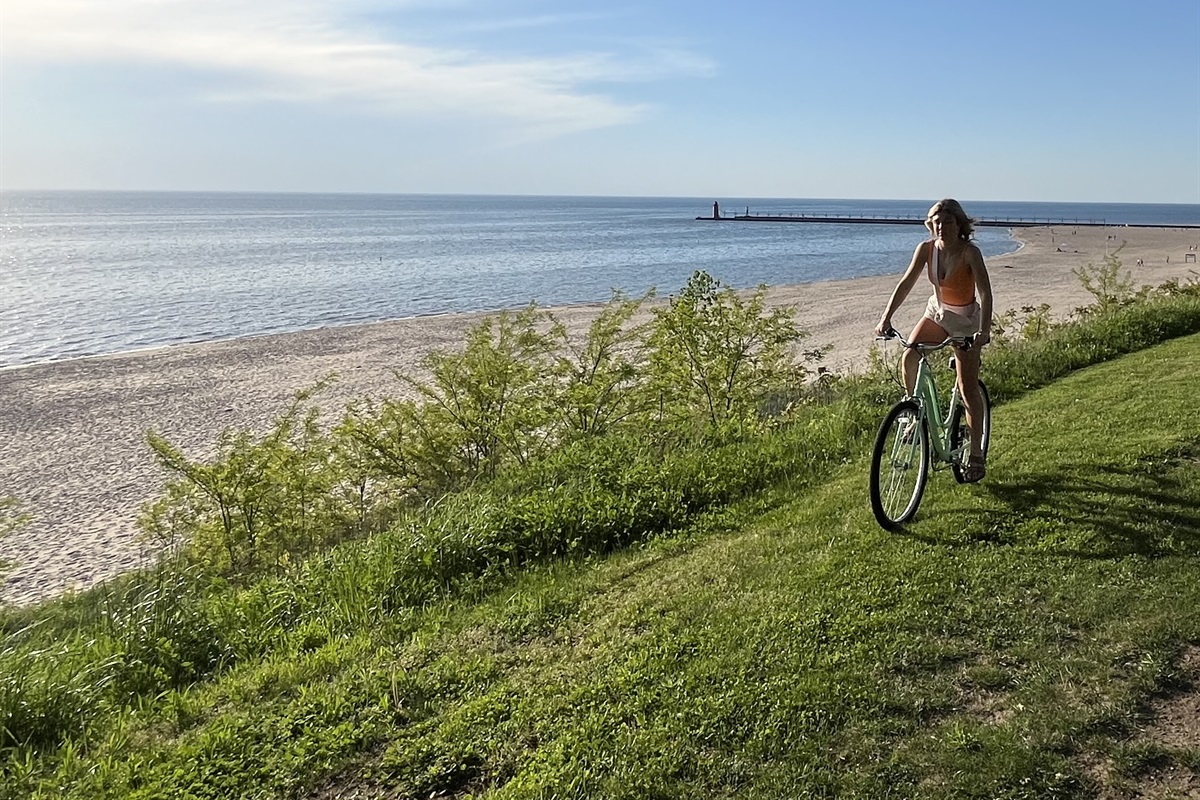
x,y
707,198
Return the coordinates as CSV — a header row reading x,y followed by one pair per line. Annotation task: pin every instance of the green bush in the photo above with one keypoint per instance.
x,y
519,389
1028,323
714,356
489,404
263,501
603,378
1111,289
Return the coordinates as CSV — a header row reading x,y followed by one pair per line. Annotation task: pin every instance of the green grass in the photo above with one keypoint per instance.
x,y
1004,645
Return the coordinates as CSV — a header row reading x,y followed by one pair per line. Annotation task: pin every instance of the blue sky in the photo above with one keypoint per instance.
x,y
1037,100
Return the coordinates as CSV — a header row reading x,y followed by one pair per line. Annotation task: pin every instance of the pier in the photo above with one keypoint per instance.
x,y
898,219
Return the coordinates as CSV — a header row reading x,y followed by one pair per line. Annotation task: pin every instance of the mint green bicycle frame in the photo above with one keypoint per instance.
x,y
938,426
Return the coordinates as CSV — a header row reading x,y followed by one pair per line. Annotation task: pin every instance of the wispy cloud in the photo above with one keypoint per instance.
x,y
318,51
539,21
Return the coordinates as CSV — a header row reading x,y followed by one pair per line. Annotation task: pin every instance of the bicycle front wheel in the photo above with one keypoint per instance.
x,y
960,434
899,465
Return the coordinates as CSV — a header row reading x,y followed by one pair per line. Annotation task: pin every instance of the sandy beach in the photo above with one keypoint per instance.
x,y
72,433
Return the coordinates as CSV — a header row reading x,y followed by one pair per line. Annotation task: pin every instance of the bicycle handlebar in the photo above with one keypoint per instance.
x,y
927,347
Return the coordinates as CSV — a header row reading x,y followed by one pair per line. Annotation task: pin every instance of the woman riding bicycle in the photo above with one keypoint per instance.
x,y
961,305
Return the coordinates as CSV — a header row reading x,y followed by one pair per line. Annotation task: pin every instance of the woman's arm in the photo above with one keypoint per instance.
x,y
983,286
902,288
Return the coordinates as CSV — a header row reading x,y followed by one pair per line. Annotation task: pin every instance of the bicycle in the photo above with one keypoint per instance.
x,y
900,461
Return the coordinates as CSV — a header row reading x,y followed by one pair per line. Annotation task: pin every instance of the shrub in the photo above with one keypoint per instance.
x,y
602,379
401,449
1027,323
488,404
714,356
261,502
1111,289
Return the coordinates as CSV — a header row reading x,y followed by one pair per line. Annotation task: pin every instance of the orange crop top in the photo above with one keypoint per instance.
x,y
957,289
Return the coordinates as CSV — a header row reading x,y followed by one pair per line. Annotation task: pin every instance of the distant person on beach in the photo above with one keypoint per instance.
x,y
961,305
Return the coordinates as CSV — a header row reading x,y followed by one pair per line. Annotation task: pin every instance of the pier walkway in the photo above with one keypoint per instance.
x,y
895,219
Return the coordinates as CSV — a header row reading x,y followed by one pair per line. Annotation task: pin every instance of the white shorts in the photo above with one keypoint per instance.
x,y
955,320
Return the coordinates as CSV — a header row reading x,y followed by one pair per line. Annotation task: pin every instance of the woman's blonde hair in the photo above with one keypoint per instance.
x,y
966,225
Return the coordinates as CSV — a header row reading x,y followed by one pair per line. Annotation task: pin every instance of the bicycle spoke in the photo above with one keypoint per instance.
x,y
899,466
900,477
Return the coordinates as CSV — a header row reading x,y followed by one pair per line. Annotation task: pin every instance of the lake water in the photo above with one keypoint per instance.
x,y
85,273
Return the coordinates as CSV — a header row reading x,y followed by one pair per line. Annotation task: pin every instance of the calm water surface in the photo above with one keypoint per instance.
x,y
84,273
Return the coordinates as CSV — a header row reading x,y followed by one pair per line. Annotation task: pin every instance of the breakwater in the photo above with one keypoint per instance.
x,y
899,219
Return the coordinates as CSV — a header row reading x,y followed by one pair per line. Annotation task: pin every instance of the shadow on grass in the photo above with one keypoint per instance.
x,y
1150,508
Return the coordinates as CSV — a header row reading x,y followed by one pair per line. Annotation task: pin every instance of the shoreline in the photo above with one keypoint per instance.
x,y
72,440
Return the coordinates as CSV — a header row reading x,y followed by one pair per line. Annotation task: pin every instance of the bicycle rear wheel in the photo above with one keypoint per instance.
x,y
899,465
960,434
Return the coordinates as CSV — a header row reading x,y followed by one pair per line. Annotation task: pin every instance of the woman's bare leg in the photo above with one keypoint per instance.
x,y
925,332
968,386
